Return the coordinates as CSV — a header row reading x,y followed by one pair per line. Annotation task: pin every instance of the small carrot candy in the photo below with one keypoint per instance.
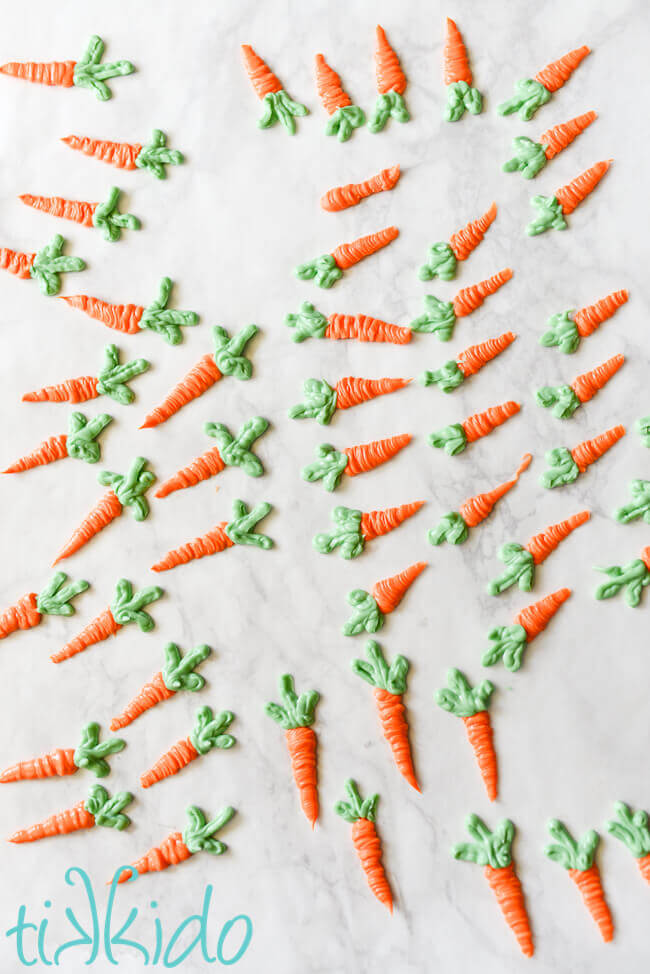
x,y
454,372
88,72
389,684
578,859
55,600
45,266
90,755
98,809
442,257
633,577
566,328
208,732
455,438
125,608
354,528
521,560
331,463
341,197
454,527
111,381
551,210
458,78
509,642
370,608
567,465
391,84
328,269
278,106
631,828
153,156
104,216
564,400
310,323
638,507
440,317
493,851
322,400
344,116
296,716
362,814
79,443
462,700
532,93
643,428
531,157
226,534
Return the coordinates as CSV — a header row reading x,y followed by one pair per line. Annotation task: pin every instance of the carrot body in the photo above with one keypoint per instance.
x,y
207,544
541,545
169,853
473,358
393,723
367,456
590,886
57,763
301,744
173,761
23,614
60,73
151,694
50,450
578,189
505,885
589,318
122,317
456,63
559,137
71,820
587,452
99,629
197,381
261,77
390,76
108,508
120,154
75,210
366,329
209,464
476,509
375,523
470,298
464,241
644,867
72,390
351,391
482,424
348,254
557,73
368,846
389,592
16,262
341,197
479,734
588,384
535,618
329,86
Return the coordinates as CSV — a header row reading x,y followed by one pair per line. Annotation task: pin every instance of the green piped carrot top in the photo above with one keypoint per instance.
x,y
357,807
631,828
50,263
297,710
488,848
209,730
378,673
128,607
569,853
113,377
92,755
199,833
240,528
639,506
131,487
55,599
461,699
108,812
178,670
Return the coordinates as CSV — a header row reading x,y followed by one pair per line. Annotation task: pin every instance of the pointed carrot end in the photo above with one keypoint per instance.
x,y
67,139
148,424
16,837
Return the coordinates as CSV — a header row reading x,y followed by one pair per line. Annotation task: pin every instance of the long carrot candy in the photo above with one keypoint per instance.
x,y
351,194
98,809
470,361
567,465
631,828
493,851
278,106
331,464
371,608
455,438
507,643
522,560
125,490
344,116
45,266
328,269
551,210
230,451
310,323
322,400
227,359
90,755
362,815
471,704
126,607
88,72
643,429
578,859
458,78
532,93
566,328
208,732
454,527
564,400
633,577
226,534
439,317
391,85
154,155
55,600
177,674
638,507
111,381
443,257
353,528
103,216
79,442
389,683
132,318
531,157
296,716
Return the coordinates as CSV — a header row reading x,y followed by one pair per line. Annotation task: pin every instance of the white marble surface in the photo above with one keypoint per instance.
x,y
571,726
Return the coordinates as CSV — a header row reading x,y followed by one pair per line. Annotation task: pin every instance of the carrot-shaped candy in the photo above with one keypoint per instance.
x,y
455,438
328,269
458,78
111,381
567,465
442,257
564,400
227,359
208,732
125,608
90,755
154,155
353,528
322,400
551,210
344,116
79,442
531,157
103,216
362,815
454,527
310,323
125,490
522,560
132,318
509,642
88,72
45,266
389,683
98,809
532,93
578,859
278,107
470,361
370,608
230,451
493,851
55,600
631,828
351,194
391,85
567,328
440,317
296,716
638,507
226,534
331,464
471,704
633,577
177,674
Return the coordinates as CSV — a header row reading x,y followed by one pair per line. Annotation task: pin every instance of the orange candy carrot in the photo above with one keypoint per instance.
x,y
362,814
631,828
208,732
557,73
521,560
530,157
98,809
470,298
440,316
578,859
458,77
442,257
90,755
45,266
454,439
341,197
322,400
331,464
55,599
328,269
567,465
111,381
532,93
384,597
353,528
104,216
551,210
310,323
564,400
471,704
278,106
470,361
344,116
567,328
507,643
296,716
79,442
391,84
560,136
130,155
